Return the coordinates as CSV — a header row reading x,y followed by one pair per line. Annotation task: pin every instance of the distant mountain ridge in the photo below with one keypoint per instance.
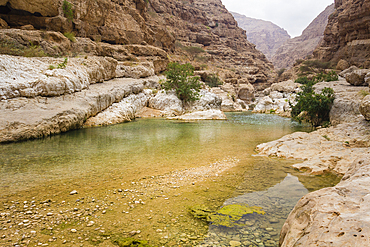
x,y
267,36
302,46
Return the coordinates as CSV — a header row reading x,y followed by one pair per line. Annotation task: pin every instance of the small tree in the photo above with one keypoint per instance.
x,y
180,77
68,10
316,106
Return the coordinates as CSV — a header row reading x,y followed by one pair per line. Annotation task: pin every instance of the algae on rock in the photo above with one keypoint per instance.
x,y
227,216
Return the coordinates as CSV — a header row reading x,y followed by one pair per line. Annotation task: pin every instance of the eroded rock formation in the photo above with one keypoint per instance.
x,y
347,34
198,31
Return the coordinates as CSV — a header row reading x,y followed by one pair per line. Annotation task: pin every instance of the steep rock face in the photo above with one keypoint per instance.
x,y
204,31
267,36
302,46
347,35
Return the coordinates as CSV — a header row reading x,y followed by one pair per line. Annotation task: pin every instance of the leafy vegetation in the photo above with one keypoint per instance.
x,y
212,80
63,65
330,76
15,49
70,36
311,106
313,66
67,10
280,71
180,77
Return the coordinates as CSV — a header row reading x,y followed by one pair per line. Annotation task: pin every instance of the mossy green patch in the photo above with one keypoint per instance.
x,y
226,216
130,242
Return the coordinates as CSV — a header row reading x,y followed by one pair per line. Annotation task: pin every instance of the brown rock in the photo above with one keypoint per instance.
x,y
357,77
27,27
41,7
245,92
365,107
342,65
3,24
347,34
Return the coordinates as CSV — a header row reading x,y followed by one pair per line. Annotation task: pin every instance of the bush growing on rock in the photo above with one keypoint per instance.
x,y
67,10
330,76
180,77
316,107
212,80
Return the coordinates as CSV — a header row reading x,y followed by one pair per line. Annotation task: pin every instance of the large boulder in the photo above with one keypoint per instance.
x,y
207,100
357,77
167,102
286,87
245,92
342,65
365,107
336,216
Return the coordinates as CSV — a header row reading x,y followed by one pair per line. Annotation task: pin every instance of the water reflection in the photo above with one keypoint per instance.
x,y
260,230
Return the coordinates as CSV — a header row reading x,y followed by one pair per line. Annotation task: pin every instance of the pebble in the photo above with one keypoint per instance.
x,y
235,243
73,192
274,220
73,230
49,214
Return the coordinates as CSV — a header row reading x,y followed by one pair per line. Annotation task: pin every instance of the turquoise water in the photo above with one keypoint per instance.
x,y
98,160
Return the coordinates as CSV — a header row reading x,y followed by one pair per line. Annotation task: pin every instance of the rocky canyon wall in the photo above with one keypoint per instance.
x,y
302,46
205,28
267,36
347,35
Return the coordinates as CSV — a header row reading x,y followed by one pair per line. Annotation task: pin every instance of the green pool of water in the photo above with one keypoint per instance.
x,y
97,161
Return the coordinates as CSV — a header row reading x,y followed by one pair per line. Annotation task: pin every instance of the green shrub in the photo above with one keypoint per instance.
x,y
331,76
313,66
180,77
212,80
70,36
315,106
302,80
15,49
67,10
63,65
280,72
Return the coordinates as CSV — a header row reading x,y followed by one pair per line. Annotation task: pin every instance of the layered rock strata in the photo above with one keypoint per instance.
x,y
347,34
198,31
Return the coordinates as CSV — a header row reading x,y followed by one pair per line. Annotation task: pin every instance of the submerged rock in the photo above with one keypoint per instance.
x,y
202,115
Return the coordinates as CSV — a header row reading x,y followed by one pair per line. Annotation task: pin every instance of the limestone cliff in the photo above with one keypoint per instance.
x,y
347,35
202,32
267,36
302,46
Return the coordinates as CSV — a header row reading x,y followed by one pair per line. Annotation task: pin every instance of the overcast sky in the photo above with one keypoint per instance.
x,y
292,15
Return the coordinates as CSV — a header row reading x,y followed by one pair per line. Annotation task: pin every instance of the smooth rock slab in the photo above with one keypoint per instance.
x,y
202,115
337,216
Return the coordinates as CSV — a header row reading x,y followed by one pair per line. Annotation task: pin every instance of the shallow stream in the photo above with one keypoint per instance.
x,y
94,187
